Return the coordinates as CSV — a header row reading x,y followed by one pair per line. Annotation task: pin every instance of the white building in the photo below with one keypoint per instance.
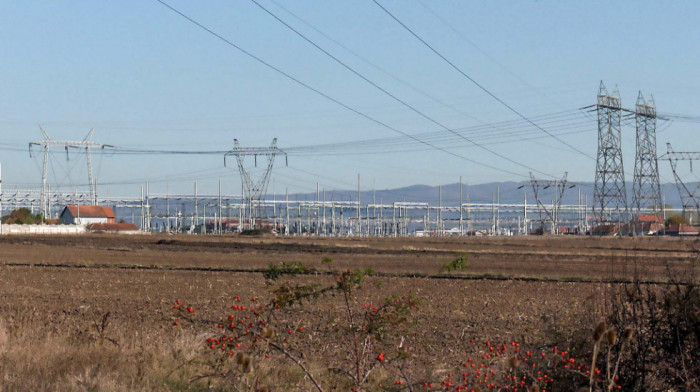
x,y
86,215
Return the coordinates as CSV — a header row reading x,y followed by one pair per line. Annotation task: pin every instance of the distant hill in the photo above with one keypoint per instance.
x,y
508,192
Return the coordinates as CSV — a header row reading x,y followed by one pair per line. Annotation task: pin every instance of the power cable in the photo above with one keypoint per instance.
x,y
483,52
484,89
394,77
516,130
392,96
309,87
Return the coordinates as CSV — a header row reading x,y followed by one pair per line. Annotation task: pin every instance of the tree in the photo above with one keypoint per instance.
x,y
676,219
22,216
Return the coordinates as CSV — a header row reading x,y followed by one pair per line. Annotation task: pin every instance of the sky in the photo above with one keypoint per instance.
x,y
145,78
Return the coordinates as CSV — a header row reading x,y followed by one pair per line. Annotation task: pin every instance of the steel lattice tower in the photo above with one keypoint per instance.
x,y
610,193
85,144
646,190
254,190
552,213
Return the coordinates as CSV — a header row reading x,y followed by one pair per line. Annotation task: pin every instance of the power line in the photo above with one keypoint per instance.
x,y
483,52
518,130
484,89
477,132
394,97
328,97
679,117
396,78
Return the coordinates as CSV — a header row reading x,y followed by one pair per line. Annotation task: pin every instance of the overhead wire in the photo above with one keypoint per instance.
x,y
373,64
398,148
389,94
475,133
486,54
679,117
566,122
479,85
394,77
328,97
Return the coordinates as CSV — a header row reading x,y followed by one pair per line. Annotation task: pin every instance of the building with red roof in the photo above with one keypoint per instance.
x,y
86,215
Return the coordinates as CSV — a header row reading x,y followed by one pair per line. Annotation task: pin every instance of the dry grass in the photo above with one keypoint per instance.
x,y
48,339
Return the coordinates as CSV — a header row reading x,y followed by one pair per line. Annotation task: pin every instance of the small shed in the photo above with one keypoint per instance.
x,y
86,215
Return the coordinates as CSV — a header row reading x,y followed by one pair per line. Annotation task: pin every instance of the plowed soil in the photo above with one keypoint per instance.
x,y
527,288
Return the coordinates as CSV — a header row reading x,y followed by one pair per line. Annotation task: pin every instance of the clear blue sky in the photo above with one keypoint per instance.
x,y
144,77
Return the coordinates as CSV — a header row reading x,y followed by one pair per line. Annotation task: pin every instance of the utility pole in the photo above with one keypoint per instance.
x,y
241,210
439,214
469,211
374,208
147,221
525,211
498,209
195,221
359,221
167,203
142,215
461,202
578,209
324,213
286,203
493,213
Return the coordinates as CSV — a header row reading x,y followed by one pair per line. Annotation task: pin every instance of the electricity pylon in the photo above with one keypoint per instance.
x,y
646,190
690,196
85,144
254,191
552,213
610,194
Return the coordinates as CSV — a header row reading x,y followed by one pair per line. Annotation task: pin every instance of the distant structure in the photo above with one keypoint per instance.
x,y
646,190
86,215
610,194
551,213
254,191
690,196
47,143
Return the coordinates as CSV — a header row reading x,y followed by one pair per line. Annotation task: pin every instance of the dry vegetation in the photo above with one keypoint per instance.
x,y
56,291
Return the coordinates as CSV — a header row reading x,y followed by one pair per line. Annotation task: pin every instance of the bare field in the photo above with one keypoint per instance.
x,y
53,291
516,257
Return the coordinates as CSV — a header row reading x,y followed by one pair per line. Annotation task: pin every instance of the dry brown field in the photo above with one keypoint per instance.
x,y
54,290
